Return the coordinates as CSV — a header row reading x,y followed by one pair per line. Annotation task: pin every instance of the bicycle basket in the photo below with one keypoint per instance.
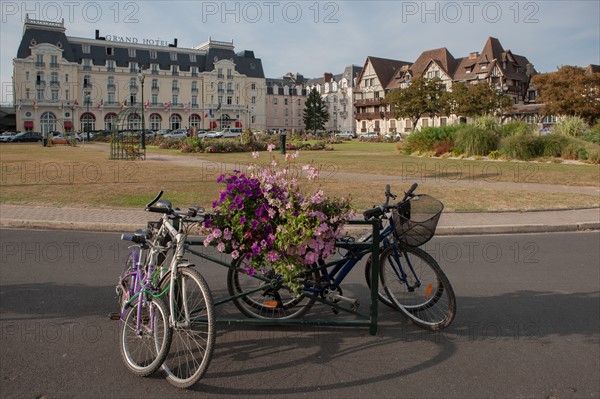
x,y
415,220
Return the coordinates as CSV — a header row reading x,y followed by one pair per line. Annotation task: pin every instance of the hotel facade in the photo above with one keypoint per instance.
x,y
64,83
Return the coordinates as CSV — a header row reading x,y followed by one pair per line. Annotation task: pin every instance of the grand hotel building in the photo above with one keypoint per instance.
x,y
64,83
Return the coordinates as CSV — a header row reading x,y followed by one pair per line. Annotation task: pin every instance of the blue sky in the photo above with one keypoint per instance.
x,y
313,37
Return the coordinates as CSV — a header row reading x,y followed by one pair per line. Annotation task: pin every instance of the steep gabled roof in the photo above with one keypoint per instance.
x,y
384,68
441,56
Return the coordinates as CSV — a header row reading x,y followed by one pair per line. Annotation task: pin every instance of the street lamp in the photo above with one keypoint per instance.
x,y
87,118
141,76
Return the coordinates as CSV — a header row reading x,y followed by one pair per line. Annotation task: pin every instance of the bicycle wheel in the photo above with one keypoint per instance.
x,y
268,299
193,330
145,349
417,286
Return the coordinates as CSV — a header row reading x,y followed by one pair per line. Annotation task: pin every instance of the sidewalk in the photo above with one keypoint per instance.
x,y
124,220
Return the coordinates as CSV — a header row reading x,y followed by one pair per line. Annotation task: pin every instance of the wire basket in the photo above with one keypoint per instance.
x,y
416,219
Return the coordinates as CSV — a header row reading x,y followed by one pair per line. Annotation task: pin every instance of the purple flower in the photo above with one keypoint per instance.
x,y
220,179
243,219
254,224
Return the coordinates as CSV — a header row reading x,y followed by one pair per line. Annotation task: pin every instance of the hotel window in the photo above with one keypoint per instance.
x,y
154,69
66,95
132,52
253,86
39,60
111,98
87,64
173,56
153,54
109,51
133,67
174,85
194,71
53,61
174,70
54,78
110,65
154,84
275,100
27,75
154,99
194,87
192,57
26,94
85,48
66,77
39,94
175,99
194,101
54,94
229,100
132,99
229,74
220,73
253,100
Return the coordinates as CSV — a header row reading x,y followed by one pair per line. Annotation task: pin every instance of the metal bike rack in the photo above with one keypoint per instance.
x,y
369,320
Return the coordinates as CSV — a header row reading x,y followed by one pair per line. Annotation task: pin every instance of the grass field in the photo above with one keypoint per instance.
x,y
84,176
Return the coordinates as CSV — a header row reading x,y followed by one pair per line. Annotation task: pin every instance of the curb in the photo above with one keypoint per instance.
x,y
440,231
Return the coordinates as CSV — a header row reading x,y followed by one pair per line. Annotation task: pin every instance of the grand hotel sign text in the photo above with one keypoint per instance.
x,y
135,40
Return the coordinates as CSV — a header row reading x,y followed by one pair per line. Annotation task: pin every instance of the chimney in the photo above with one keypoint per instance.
x,y
474,55
529,69
327,76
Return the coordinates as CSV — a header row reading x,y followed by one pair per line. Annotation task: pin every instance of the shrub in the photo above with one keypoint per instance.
x,y
442,147
247,137
552,145
515,129
571,126
472,140
494,154
426,139
522,147
488,123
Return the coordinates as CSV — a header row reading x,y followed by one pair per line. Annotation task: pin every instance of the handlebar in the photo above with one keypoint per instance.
x,y
379,210
191,212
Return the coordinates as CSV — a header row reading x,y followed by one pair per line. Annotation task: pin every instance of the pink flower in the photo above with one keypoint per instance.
x,y
255,154
270,147
221,247
235,254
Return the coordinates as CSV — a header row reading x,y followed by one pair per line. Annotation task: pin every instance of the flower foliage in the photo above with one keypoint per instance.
x,y
264,218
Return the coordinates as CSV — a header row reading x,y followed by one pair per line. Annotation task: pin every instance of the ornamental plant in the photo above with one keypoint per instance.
x,y
266,220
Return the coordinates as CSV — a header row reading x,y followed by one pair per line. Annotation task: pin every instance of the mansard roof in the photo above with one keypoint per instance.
x,y
246,63
440,56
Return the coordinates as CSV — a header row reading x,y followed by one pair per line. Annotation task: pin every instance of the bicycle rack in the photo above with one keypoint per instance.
x,y
369,320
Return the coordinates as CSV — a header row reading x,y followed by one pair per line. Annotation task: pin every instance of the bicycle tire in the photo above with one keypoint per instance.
x,y
268,303
424,295
194,332
153,343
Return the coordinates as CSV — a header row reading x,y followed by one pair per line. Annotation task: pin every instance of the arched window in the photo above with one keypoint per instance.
x,y
88,122
48,122
194,120
175,122
134,122
110,122
155,122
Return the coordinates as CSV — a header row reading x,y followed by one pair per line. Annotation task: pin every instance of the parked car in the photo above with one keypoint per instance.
x,y
231,132
162,132
201,134
214,135
178,134
346,135
369,134
26,137
4,137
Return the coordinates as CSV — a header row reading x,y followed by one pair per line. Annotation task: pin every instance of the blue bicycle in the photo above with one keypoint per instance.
x,y
411,280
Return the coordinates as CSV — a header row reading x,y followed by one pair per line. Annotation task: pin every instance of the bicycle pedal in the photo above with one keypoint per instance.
x,y
114,316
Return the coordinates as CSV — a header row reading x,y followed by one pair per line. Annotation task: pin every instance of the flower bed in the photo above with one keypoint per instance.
x,y
264,218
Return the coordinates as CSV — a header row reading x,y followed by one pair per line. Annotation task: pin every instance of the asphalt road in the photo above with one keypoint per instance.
x,y
528,325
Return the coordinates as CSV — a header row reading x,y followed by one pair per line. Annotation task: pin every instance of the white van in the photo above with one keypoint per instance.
x,y
231,132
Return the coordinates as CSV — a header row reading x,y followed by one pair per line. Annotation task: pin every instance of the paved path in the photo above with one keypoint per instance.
x,y
111,219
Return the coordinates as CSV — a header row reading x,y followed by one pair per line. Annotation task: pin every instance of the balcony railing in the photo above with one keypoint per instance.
x,y
40,82
54,65
154,88
110,69
111,86
54,83
363,103
175,89
175,73
87,67
194,90
40,64
154,71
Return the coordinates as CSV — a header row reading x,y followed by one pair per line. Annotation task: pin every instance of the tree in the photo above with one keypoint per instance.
x,y
476,100
569,91
422,96
316,113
